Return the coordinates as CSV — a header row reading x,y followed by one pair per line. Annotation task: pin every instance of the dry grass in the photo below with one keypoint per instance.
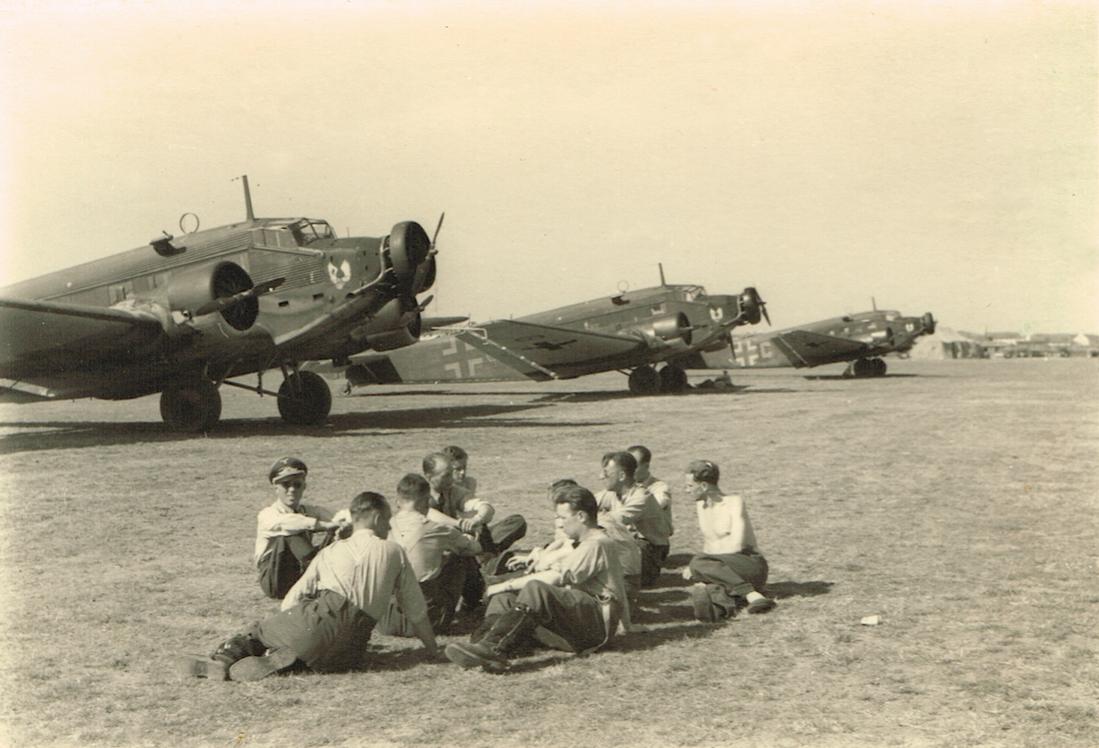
x,y
957,500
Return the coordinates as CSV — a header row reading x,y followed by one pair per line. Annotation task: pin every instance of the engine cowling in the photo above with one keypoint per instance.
x,y
670,329
928,323
409,246
190,289
399,338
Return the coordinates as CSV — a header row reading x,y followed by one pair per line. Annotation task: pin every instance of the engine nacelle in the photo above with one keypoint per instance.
x,y
190,289
928,323
408,246
671,329
399,338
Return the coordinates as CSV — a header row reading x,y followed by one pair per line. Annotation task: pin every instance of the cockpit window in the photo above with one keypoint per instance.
x,y
693,292
308,231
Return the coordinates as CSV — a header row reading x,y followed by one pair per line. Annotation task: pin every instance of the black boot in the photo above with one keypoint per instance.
x,y
490,651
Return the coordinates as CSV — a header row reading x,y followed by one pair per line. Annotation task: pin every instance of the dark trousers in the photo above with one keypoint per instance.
x,y
494,540
652,557
575,616
326,633
441,595
737,573
289,558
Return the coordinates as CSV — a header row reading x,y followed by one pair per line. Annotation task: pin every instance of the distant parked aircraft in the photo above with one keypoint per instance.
x,y
861,338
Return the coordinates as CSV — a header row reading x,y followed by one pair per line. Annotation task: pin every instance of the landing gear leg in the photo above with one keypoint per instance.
x,y
304,398
191,406
644,381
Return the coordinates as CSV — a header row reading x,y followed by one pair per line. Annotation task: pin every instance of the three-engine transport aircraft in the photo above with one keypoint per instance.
x,y
860,338
181,316
631,332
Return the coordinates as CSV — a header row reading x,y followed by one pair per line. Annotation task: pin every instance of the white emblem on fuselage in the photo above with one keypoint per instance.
x,y
339,274
716,313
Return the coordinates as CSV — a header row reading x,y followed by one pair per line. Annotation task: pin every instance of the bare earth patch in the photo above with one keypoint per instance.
x,y
955,500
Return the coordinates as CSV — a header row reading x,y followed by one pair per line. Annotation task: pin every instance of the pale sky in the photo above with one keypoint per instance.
x,y
937,156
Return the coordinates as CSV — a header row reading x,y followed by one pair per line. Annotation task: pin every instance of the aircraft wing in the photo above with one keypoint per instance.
x,y
44,337
545,352
805,348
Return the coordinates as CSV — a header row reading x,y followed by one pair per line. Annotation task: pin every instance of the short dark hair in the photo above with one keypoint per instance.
x,y
579,499
560,485
433,461
704,471
413,486
456,453
366,503
646,455
624,460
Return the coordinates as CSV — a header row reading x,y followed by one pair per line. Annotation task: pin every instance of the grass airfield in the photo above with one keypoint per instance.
x,y
957,500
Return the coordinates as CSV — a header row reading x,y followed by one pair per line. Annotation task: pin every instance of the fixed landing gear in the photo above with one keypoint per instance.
x,y
304,398
865,367
646,380
191,406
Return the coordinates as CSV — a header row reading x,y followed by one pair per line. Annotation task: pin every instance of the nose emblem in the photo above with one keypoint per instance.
x,y
716,313
339,274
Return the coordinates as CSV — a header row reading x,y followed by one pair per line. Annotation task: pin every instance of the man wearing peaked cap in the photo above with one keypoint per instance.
x,y
285,529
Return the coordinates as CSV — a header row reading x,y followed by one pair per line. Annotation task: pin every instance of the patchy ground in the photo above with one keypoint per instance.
x,y
955,500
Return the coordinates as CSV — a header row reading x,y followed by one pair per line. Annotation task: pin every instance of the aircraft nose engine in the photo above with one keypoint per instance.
x,y
213,288
928,323
670,328
409,247
752,306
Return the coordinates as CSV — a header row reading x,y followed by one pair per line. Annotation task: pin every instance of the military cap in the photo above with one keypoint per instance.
x,y
286,468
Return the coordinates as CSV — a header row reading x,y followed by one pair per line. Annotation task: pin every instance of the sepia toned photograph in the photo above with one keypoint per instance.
x,y
467,373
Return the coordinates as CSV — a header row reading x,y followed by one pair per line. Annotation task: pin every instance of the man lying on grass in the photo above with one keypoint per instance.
x,y
730,572
575,605
328,616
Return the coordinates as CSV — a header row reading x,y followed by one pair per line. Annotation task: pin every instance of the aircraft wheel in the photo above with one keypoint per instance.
x,y
194,406
672,379
644,381
879,367
864,367
304,398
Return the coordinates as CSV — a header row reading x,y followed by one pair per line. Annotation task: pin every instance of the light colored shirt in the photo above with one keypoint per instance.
x,y
593,567
426,542
663,495
626,547
459,504
280,520
637,510
368,571
725,525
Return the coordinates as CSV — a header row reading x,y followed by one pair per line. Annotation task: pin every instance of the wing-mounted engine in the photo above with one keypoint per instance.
x,y
220,292
671,330
400,337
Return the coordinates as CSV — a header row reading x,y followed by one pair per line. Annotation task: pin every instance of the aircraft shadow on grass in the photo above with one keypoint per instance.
x,y
80,434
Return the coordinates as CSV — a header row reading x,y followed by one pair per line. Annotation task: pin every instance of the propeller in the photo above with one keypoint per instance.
x,y
222,303
425,273
751,299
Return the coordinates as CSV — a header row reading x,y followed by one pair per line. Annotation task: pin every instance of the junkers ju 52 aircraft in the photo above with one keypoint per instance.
x,y
860,338
182,316
632,332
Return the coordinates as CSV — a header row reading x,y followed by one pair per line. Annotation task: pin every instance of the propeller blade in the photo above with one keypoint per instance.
x,y
423,304
763,308
224,302
732,348
438,226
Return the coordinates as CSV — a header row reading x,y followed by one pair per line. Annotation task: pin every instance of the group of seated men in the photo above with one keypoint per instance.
x,y
342,575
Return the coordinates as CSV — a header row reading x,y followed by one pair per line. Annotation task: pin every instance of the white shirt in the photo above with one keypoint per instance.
x,y
280,520
725,525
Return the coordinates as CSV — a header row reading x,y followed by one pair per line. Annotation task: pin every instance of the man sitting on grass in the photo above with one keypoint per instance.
x,y
284,530
328,616
576,604
436,553
629,503
730,572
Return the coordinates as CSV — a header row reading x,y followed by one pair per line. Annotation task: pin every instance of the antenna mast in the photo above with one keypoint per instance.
x,y
660,265
249,215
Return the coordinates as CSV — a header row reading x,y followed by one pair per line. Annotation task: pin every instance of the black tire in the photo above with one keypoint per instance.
x,y
644,381
672,379
192,406
304,399
863,368
879,367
